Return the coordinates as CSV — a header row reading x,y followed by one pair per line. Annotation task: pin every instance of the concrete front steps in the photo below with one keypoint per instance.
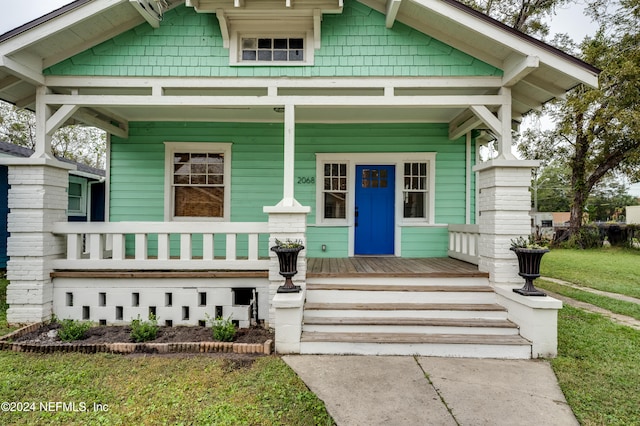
x,y
452,317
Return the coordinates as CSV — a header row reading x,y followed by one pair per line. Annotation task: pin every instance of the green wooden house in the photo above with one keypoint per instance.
x,y
354,126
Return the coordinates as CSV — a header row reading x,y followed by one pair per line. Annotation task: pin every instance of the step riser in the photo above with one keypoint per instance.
x,y
353,296
400,329
463,281
335,313
421,349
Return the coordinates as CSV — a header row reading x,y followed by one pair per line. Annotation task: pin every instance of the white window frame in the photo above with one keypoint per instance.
x,y
83,196
200,148
427,191
320,219
235,46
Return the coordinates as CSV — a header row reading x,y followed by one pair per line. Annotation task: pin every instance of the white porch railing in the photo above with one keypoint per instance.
x,y
463,242
104,246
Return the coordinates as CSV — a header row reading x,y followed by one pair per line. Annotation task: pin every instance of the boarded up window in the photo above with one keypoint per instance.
x,y
198,184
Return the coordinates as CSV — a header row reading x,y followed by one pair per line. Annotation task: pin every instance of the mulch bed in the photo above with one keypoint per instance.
x,y
116,339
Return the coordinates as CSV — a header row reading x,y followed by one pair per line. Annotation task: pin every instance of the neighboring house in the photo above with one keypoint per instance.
x,y
632,214
351,125
86,193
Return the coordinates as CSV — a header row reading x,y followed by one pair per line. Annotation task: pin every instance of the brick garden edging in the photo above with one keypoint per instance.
x,y
129,348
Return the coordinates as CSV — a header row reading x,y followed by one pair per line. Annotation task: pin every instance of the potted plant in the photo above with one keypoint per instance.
x,y
287,252
529,252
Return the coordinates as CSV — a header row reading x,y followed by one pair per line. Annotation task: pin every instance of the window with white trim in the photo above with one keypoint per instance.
x,y
334,191
198,181
415,192
77,196
272,49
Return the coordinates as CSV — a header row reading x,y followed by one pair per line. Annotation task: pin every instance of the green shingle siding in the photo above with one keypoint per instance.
x,y
354,43
257,176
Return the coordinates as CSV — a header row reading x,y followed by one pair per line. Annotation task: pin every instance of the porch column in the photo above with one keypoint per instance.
x,y
286,223
43,113
503,209
37,199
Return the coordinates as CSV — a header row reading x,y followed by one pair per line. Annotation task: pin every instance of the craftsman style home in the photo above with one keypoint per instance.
x,y
353,126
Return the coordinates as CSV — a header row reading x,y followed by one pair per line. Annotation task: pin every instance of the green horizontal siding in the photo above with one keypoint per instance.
x,y
137,172
354,43
424,242
335,238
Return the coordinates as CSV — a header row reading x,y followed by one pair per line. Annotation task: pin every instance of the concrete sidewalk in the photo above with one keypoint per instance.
x,y
402,390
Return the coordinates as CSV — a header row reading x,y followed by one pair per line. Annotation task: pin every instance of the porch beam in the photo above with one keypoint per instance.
x,y
59,117
453,101
91,120
488,82
462,124
516,68
487,117
393,6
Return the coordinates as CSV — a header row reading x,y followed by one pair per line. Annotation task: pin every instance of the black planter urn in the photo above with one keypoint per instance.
x,y
529,269
288,260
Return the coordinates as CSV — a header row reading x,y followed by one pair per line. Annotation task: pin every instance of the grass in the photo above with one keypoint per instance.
x,y
609,269
616,306
151,390
4,327
597,368
157,390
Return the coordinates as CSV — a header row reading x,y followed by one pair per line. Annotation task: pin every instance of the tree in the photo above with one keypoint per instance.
x,y
83,144
527,16
597,129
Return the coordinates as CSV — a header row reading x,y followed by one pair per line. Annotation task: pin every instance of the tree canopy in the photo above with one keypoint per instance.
x,y
597,132
83,144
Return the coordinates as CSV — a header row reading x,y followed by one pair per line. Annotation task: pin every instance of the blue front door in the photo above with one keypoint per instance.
x,y
374,210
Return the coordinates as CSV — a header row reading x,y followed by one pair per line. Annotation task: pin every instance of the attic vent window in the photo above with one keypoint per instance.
x,y
271,49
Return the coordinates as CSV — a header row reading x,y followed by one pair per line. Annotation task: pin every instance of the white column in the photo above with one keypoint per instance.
x,y
504,115
503,214
43,113
37,200
286,223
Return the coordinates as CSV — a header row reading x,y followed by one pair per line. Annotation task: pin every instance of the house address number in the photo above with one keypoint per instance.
x,y
306,180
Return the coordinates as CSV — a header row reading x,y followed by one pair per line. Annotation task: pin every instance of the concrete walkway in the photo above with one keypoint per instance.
x,y
402,390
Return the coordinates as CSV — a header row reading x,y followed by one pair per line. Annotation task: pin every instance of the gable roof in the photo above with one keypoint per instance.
x,y
13,150
535,71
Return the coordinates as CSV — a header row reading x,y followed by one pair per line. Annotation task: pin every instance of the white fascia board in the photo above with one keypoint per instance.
x,y
55,25
320,101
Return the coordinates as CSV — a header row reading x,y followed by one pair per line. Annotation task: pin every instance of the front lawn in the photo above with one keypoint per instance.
x,y
4,327
598,368
152,390
609,269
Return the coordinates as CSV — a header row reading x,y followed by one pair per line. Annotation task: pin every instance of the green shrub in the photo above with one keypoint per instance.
x,y
143,331
587,237
223,329
73,330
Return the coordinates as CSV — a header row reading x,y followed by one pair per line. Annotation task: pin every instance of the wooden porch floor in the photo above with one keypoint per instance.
x,y
391,267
